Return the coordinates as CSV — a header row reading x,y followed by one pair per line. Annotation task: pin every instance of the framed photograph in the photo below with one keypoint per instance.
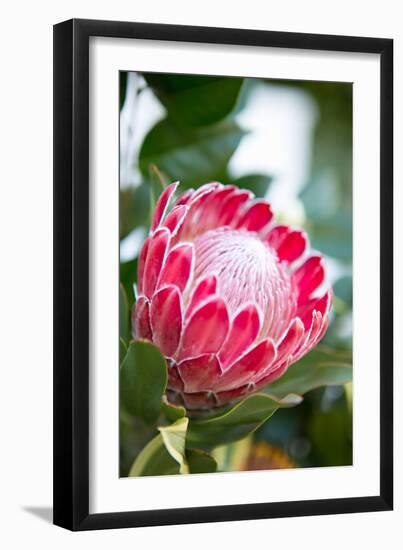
x,y
223,303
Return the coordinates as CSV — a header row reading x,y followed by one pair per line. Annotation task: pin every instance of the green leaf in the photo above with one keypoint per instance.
x,y
200,462
154,460
172,412
133,437
330,433
192,156
143,379
195,100
174,437
165,454
237,422
257,183
321,367
122,350
124,328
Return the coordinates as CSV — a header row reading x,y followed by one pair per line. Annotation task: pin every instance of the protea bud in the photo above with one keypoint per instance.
x,y
228,296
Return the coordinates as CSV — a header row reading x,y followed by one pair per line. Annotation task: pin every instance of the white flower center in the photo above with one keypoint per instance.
x,y
247,271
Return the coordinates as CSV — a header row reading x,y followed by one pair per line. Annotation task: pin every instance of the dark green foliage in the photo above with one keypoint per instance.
x,y
195,100
200,462
190,155
143,379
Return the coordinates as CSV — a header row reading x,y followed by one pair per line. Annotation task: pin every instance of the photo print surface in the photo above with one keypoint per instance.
x,y
235,274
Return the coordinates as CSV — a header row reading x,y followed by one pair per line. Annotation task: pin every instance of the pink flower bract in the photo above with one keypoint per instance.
x,y
229,297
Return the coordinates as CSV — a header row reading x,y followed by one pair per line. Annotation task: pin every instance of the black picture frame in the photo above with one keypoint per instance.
x,y
71,274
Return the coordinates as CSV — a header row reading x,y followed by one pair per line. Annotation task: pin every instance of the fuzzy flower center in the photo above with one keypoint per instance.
x,y
247,271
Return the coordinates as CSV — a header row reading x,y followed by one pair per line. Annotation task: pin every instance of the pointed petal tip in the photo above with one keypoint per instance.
x,y
177,268
309,276
205,289
248,367
175,218
166,319
244,329
140,317
258,214
292,246
156,253
162,205
324,303
291,340
206,329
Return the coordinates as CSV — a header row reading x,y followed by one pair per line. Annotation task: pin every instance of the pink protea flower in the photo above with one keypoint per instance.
x,y
227,296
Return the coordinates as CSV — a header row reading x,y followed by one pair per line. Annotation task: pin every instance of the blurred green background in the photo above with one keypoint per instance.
x,y
288,141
